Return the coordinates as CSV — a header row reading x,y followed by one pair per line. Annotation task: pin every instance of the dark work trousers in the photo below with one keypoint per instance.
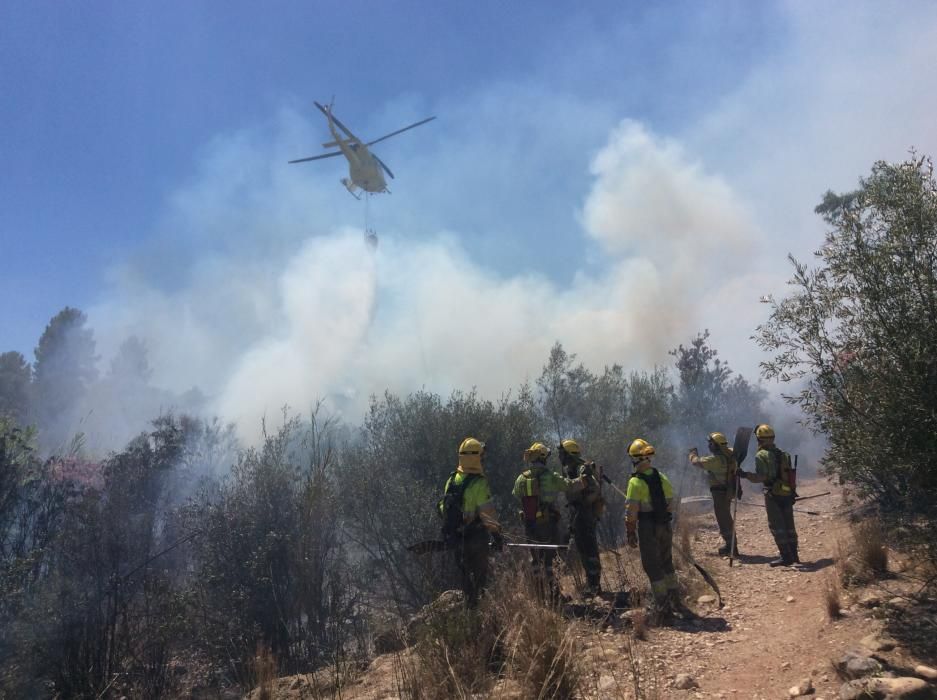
x,y
722,505
656,543
471,556
587,543
781,523
541,560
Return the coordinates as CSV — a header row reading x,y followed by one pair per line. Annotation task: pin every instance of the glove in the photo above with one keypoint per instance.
x,y
497,541
632,537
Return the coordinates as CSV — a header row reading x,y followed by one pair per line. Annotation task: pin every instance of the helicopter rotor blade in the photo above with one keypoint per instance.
x,y
399,131
329,115
383,165
324,155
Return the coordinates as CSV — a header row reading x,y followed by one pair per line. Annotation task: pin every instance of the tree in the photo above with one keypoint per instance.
x,y
15,376
122,403
857,336
64,368
270,557
708,397
131,366
563,390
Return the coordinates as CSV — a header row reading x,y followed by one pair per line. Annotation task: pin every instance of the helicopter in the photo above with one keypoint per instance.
x,y
364,167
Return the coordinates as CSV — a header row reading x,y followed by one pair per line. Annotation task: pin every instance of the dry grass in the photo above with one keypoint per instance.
x,y
639,624
646,686
264,672
864,557
870,547
845,564
624,573
692,585
832,596
684,527
619,669
511,635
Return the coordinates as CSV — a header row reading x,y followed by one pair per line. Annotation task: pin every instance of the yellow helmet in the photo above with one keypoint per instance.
x,y
719,439
640,448
470,455
571,447
471,446
764,431
538,452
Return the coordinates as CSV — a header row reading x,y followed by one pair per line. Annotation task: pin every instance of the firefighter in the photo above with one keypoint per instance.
x,y
647,502
537,489
586,507
720,467
773,470
470,519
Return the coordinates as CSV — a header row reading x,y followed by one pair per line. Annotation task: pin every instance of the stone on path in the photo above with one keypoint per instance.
x,y
906,687
854,664
926,672
875,643
805,687
684,681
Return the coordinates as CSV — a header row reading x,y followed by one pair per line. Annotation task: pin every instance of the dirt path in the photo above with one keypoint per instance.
x,y
773,631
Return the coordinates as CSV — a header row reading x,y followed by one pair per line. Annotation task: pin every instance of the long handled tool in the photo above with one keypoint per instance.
x,y
740,450
427,546
816,495
796,510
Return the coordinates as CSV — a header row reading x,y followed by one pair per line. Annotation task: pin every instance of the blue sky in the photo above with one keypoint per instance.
x,y
642,168
107,106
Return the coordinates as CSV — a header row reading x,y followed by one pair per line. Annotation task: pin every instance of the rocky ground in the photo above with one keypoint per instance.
x,y
772,639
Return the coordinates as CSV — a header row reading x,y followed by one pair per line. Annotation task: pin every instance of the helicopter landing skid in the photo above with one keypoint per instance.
x,y
350,186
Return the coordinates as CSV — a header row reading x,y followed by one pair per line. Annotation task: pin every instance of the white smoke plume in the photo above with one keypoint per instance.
x,y
337,321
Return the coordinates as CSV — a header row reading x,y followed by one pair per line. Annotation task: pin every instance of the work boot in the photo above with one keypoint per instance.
x,y
786,558
660,613
680,610
724,550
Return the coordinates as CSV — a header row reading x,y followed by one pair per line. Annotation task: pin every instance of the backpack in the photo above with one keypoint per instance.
x,y
530,502
451,506
786,472
658,500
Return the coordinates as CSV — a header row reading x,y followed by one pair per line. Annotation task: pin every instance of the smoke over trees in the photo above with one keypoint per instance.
x,y
64,369
184,545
